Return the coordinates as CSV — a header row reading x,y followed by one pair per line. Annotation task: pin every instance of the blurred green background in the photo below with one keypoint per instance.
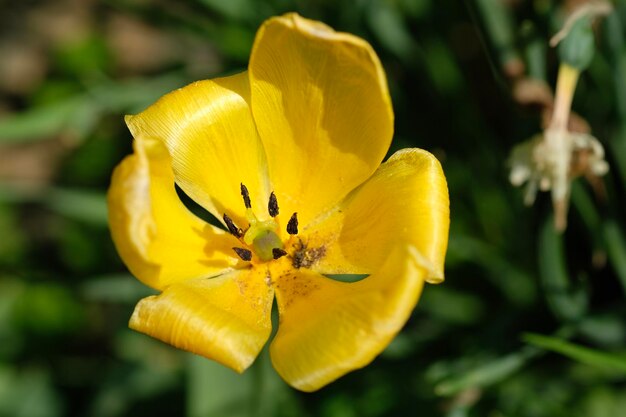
x,y
529,323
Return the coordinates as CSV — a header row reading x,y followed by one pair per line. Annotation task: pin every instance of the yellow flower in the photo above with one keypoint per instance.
x,y
288,154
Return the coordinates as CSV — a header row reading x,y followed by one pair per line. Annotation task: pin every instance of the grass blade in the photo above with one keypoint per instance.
x,y
490,373
578,353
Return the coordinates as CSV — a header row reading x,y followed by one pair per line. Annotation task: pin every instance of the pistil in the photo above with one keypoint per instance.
x,y
260,238
264,244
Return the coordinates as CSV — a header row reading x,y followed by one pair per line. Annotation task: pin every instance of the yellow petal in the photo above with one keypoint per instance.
x,y
322,109
405,200
328,328
159,240
226,319
209,132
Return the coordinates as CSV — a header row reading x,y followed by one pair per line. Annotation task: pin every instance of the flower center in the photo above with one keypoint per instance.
x,y
260,238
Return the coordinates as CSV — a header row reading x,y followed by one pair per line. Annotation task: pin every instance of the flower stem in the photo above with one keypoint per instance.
x,y
565,88
558,141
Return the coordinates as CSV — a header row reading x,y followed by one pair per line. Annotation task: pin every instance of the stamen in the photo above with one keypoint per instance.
x,y
272,206
246,196
278,253
232,228
244,254
292,226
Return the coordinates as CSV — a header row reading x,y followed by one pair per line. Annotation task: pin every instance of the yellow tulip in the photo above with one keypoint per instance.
x,y
288,154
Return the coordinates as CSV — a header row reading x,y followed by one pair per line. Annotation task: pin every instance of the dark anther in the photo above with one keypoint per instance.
x,y
244,254
232,228
292,226
278,253
272,206
246,196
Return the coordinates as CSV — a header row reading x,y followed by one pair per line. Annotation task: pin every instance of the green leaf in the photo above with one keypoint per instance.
x,y
80,113
145,370
584,205
48,309
215,390
82,205
87,206
442,67
567,302
606,330
534,51
28,393
498,21
115,288
490,372
41,122
136,94
347,277
458,411
84,57
234,40
389,26
578,353
582,202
